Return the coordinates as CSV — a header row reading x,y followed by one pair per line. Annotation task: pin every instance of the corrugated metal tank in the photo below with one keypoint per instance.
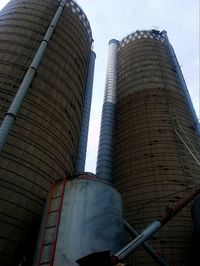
x,y
43,142
91,221
152,166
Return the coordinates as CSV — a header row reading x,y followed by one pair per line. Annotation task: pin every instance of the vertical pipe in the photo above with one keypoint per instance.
x,y
15,106
104,160
80,162
182,81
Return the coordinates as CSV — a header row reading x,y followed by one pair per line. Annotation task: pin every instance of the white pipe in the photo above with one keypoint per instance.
x,y
15,106
105,151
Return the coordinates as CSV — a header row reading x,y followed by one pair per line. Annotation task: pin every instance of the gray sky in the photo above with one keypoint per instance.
x,y
117,18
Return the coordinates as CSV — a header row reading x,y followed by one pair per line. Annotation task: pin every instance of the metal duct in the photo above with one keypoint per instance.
x,y
80,163
105,152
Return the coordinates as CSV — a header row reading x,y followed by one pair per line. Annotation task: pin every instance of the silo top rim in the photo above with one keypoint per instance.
x,y
137,32
77,9
144,34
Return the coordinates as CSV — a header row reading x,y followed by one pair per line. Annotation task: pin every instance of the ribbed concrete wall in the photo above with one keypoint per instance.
x,y
152,167
43,143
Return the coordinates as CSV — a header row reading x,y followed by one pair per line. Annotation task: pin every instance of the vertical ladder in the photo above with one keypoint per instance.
x,y
50,233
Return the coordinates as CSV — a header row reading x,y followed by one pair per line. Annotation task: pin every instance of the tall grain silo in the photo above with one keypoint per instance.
x,y
155,123
43,142
155,162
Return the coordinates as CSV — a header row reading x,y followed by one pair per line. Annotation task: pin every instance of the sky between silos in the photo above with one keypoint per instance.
x,y
117,18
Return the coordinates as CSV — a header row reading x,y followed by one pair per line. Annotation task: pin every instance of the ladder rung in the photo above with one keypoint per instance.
x,y
45,262
48,243
50,226
57,210
57,197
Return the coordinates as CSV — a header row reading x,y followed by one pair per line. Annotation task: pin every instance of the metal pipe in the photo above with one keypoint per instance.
x,y
16,104
171,212
154,227
182,81
80,162
139,240
104,160
155,255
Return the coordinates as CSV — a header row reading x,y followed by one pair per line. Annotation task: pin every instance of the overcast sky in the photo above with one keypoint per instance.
x,y
115,19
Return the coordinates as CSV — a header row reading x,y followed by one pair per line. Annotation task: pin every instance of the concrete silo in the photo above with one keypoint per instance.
x,y
155,161
43,142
